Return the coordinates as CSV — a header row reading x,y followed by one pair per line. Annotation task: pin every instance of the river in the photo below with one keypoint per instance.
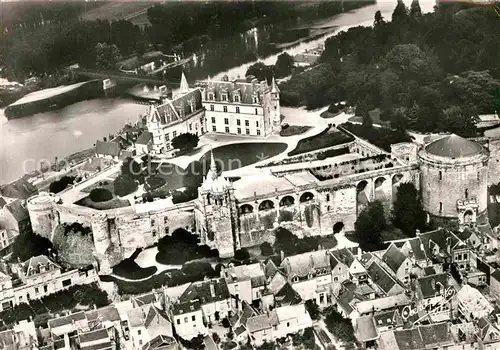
x,y
27,142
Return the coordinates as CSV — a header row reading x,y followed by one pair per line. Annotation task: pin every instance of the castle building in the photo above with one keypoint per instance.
x,y
172,117
241,106
454,179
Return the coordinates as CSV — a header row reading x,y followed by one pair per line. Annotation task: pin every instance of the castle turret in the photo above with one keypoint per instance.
x,y
43,214
215,212
275,112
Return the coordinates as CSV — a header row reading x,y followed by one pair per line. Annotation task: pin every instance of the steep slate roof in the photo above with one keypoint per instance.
x,y
109,313
18,211
416,248
380,277
393,257
2,202
161,342
246,90
439,238
270,269
21,188
107,148
303,264
187,307
454,146
145,138
202,291
62,321
147,316
429,285
32,266
287,296
344,256
258,323
496,275
93,335
180,108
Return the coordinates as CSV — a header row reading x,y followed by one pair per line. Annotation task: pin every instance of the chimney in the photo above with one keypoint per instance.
x,y
433,284
282,255
212,290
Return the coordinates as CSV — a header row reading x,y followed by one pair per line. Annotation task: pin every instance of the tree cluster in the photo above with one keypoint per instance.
x,y
339,326
61,184
290,244
432,72
28,244
369,226
408,214
185,142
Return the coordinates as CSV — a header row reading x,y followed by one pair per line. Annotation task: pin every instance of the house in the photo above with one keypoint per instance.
x,y
14,218
434,295
278,323
162,342
414,250
107,149
287,296
146,323
365,330
310,274
241,106
398,263
246,282
276,278
65,325
357,271
187,318
172,117
213,296
95,339
22,337
472,304
433,336
18,189
387,284
144,143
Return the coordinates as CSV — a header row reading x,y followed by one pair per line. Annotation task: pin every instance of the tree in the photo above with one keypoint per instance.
x,y
408,214
241,254
415,10
285,241
284,65
308,338
61,184
313,309
107,55
379,19
340,327
266,249
124,185
400,13
260,71
28,244
459,121
198,270
367,121
185,142
369,225
131,168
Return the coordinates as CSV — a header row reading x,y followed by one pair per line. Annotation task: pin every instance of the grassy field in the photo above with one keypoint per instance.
x,y
325,139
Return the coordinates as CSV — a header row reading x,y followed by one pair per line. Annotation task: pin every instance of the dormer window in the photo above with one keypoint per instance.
x,y
295,279
255,100
310,276
211,96
236,98
224,97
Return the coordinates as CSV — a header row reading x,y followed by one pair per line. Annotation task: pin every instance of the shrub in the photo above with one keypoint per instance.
x,y
124,185
333,108
198,269
241,254
266,249
61,184
313,309
28,244
100,195
154,182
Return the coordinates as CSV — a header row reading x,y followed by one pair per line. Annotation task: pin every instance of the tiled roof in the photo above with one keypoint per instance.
x,y
145,138
161,342
65,320
393,257
387,318
436,335
21,188
148,315
18,211
258,323
240,330
109,313
102,346
454,146
270,269
304,264
258,281
7,339
365,329
145,299
380,277
244,272
409,339
93,335
107,148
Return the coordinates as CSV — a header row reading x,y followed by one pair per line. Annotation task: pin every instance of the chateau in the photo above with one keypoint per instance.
x,y
451,174
237,107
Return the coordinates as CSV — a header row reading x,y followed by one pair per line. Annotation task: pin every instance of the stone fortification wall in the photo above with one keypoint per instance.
x,y
406,152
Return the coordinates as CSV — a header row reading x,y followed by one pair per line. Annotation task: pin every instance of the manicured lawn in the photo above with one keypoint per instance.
x,y
380,137
128,268
293,130
327,138
228,157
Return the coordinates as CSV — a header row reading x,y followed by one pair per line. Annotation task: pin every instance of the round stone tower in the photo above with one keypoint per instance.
x,y
454,179
43,214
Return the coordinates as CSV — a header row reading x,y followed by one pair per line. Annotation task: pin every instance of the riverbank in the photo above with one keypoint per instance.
x,y
54,98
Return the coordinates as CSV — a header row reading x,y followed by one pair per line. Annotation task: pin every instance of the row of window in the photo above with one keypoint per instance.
x,y
237,109
225,97
226,130
478,176
193,318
